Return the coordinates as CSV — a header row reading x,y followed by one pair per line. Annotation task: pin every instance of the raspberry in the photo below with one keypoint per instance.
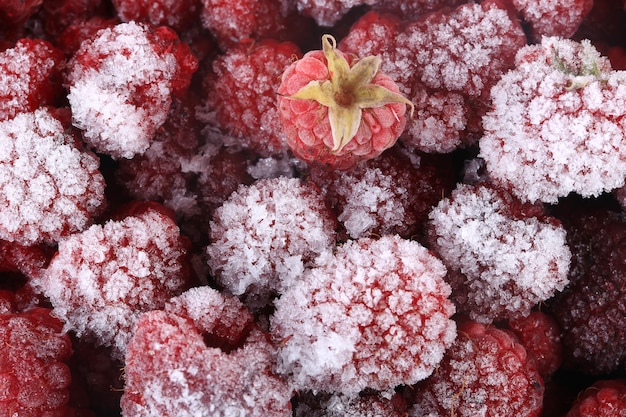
x,y
374,314
178,15
336,405
605,398
591,310
57,15
502,258
391,194
484,373
554,127
240,94
49,187
170,370
75,34
337,110
552,18
100,280
133,70
264,236
13,13
31,77
541,336
33,372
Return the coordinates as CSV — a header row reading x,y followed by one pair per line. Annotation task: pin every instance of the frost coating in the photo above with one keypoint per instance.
x,y
557,124
500,266
48,187
373,315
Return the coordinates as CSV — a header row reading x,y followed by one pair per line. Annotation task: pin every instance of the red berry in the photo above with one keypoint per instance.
x,y
177,15
133,70
552,18
605,398
338,110
486,372
101,280
373,314
13,13
240,94
33,372
336,405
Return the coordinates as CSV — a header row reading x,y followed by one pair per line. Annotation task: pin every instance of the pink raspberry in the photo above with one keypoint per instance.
x,y
552,17
34,374
172,370
240,94
486,372
133,70
503,259
338,110
266,234
101,280
50,188
605,398
373,314
555,124
31,77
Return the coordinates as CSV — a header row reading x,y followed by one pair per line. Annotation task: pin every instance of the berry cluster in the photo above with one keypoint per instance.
x,y
312,208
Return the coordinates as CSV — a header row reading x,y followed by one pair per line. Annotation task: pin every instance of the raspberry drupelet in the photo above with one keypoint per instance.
x,y
121,85
373,314
339,110
605,398
100,280
177,15
486,372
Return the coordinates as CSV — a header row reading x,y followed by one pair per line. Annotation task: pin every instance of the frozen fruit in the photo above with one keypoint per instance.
x,y
555,126
31,77
552,17
605,398
57,15
540,334
13,13
390,194
49,187
34,375
75,34
337,405
171,370
101,280
240,94
486,372
177,15
373,314
504,257
266,234
591,311
121,85
339,110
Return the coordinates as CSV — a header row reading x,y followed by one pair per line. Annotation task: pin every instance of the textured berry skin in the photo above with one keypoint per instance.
x,y
177,15
240,94
605,398
339,125
31,77
591,311
375,314
552,18
134,70
101,280
336,405
33,371
57,15
486,372
172,370
14,13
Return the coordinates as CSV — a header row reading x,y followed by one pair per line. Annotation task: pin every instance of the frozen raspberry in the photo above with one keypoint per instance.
x,y
31,77
76,33
605,398
555,124
240,94
391,194
540,334
327,13
121,85
171,370
375,314
13,13
504,257
412,10
34,375
486,372
49,187
338,110
265,234
591,311
57,15
101,280
552,17
336,405
176,14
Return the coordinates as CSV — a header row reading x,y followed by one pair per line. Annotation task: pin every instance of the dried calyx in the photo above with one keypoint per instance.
x,y
347,91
